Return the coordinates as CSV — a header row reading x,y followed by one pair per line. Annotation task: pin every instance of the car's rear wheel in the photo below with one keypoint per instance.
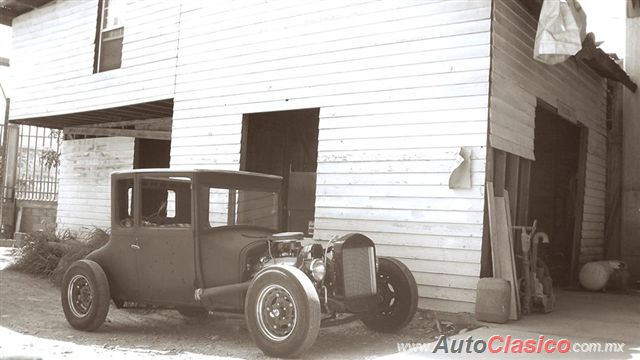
x,y
85,295
398,297
282,310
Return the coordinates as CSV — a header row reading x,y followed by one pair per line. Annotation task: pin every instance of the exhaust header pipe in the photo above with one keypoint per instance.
x,y
202,293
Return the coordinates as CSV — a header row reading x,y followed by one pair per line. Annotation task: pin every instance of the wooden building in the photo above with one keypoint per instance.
x,y
363,106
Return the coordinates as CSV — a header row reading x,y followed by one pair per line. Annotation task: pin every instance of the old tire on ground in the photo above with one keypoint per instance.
x,y
282,310
85,295
193,312
398,294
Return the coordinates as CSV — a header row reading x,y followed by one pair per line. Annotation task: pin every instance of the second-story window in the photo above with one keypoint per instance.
x,y
110,34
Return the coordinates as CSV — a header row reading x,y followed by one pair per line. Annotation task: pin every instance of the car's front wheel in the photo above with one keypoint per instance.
x,y
85,295
398,297
282,310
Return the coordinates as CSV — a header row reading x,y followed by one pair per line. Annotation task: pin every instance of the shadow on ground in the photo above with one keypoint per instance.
x,y
32,306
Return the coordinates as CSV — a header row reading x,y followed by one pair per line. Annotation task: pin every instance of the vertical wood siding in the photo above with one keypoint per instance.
x,y
85,193
53,55
401,86
517,80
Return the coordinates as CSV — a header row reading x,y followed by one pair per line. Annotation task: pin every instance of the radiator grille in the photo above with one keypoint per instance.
x,y
359,271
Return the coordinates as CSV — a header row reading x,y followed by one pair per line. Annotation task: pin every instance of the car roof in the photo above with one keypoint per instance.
x,y
225,178
194,171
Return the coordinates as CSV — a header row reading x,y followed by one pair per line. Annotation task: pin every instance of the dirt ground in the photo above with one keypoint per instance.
x,y
30,305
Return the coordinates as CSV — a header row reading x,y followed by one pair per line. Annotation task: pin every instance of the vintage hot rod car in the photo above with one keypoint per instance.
x,y
207,241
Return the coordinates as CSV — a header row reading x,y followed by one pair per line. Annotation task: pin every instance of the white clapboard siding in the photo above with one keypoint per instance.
x,y
53,56
517,80
401,86
84,198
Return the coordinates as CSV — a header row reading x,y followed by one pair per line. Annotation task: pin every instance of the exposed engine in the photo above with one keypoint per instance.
x,y
343,273
286,249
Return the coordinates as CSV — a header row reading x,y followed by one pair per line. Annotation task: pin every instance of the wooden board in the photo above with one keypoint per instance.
x,y
501,246
514,271
493,229
504,253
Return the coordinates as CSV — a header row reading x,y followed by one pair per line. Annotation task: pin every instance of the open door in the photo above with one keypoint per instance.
x,y
557,190
285,143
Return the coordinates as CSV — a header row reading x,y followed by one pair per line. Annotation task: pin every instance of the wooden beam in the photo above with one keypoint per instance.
x,y
633,9
493,229
515,293
579,206
613,193
166,121
499,171
511,184
6,16
522,214
141,134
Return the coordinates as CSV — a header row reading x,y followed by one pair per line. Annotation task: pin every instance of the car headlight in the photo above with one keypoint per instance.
x,y
317,269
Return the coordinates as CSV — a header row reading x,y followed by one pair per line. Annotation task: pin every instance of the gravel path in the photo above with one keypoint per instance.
x,y
31,306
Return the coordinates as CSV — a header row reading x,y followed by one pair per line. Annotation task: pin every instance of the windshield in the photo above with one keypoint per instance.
x,y
242,207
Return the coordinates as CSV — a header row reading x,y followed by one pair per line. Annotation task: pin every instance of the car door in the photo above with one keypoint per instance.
x,y
165,242
121,261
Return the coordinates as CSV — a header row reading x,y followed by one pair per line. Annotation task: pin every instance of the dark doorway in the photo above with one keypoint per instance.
x,y
150,153
285,143
557,190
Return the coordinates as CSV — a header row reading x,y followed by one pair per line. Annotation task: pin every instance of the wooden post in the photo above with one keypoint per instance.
x,y
511,184
613,202
522,214
499,171
10,175
630,243
579,205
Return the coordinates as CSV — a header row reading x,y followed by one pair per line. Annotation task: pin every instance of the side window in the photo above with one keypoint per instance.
x,y
109,36
219,207
166,202
242,207
124,210
171,203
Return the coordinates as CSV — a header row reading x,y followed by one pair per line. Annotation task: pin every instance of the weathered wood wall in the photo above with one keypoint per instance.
x,y
84,198
401,86
53,55
630,244
579,94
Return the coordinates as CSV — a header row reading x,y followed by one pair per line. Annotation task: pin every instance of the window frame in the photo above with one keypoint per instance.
x,y
139,221
116,203
232,216
100,37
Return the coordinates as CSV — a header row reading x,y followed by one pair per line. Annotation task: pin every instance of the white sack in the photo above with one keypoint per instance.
x,y
561,29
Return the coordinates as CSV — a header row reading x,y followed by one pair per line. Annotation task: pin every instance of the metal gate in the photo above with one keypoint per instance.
x,y
37,165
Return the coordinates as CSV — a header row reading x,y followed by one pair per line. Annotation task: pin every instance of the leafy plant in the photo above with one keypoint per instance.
x,y
50,158
49,254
